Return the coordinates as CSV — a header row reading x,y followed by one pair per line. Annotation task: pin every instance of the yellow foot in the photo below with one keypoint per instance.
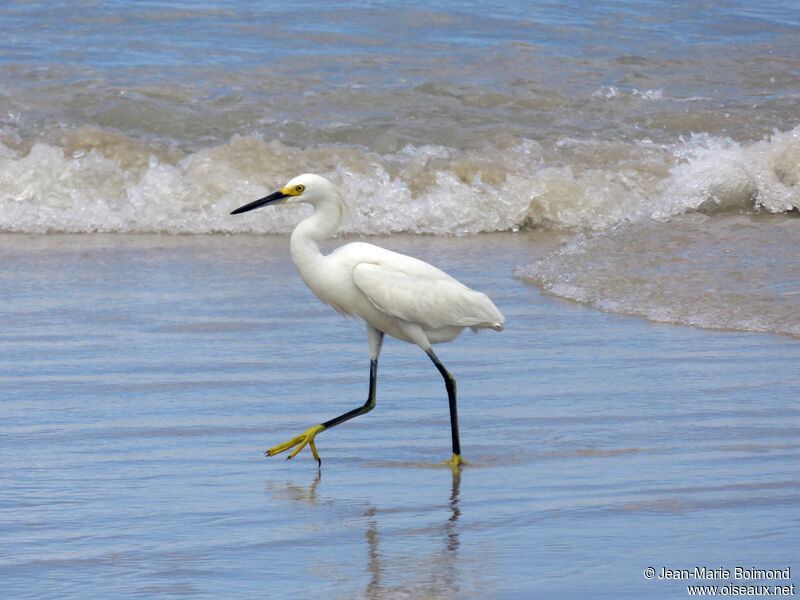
x,y
455,462
307,437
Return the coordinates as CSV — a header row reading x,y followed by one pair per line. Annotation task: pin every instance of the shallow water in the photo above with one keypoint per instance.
x,y
143,376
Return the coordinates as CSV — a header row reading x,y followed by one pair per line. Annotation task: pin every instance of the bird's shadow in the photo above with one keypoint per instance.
x,y
438,571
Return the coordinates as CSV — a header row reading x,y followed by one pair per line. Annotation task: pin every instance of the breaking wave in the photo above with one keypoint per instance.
x,y
94,180
735,272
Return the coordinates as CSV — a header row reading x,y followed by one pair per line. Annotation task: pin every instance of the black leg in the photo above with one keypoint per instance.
x,y
307,437
450,384
368,405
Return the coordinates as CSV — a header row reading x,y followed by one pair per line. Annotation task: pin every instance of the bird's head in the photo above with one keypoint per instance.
x,y
307,188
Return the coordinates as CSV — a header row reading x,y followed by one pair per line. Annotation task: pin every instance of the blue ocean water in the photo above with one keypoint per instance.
x,y
114,35
273,51
636,158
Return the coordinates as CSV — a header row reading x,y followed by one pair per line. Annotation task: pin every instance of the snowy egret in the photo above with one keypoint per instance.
x,y
394,293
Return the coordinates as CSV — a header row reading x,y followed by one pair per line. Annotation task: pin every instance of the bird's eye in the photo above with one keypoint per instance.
x,y
299,189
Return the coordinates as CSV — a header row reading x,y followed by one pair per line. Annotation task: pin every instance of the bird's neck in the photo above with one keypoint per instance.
x,y
321,225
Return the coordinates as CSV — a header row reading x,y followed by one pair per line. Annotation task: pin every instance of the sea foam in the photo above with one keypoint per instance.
x,y
93,180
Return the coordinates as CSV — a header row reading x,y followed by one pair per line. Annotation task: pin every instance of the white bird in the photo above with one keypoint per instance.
x,y
395,294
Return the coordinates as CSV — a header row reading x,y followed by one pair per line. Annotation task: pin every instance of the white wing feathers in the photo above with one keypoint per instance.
x,y
417,292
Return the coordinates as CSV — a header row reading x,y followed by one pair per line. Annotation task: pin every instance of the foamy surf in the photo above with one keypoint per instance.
x,y
99,181
734,272
714,245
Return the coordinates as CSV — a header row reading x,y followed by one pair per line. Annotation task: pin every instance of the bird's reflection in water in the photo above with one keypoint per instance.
x,y
297,493
450,527
374,586
435,575
438,573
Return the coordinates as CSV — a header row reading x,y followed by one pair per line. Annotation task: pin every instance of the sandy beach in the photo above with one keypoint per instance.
x,y
143,376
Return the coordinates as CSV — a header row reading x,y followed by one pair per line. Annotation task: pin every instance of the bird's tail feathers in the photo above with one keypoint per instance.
x,y
495,326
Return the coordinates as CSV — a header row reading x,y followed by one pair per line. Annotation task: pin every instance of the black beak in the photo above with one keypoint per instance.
x,y
271,199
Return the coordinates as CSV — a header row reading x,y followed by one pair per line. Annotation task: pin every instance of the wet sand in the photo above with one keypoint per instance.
x,y
142,377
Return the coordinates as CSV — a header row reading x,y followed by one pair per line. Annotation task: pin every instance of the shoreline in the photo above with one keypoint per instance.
x,y
531,247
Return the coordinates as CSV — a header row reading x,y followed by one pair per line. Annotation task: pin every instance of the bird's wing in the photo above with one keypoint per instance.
x,y
417,292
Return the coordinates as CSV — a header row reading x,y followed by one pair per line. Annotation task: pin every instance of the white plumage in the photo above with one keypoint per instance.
x,y
414,291
393,293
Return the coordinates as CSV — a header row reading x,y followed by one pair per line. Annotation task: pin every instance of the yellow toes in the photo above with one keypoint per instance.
x,y
300,446
307,439
285,446
455,462
301,441
314,451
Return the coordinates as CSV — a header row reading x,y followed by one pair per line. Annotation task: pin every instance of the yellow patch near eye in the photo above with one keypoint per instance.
x,y
294,190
